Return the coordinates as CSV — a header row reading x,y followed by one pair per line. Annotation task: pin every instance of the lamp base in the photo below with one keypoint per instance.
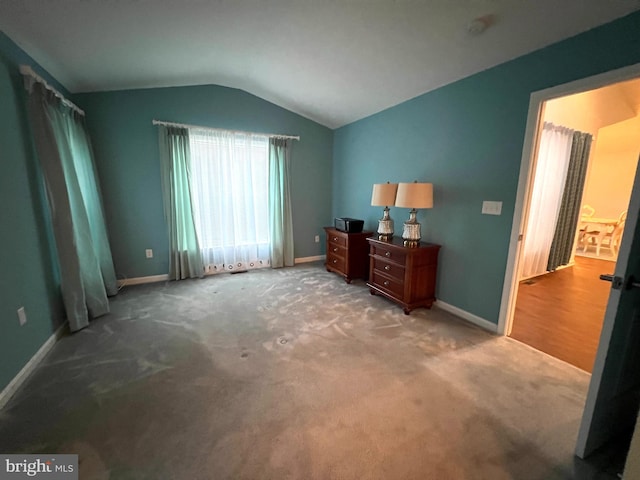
x,y
411,233
385,225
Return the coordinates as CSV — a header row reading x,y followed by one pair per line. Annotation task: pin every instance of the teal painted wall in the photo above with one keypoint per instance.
x,y
467,139
29,275
126,147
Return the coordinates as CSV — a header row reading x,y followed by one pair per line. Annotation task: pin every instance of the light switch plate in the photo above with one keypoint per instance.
x,y
491,208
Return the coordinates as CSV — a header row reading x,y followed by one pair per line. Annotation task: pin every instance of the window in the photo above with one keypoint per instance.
x,y
229,183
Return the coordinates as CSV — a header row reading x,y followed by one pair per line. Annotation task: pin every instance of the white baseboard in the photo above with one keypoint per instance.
x,y
140,280
31,365
165,277
470,317
310,259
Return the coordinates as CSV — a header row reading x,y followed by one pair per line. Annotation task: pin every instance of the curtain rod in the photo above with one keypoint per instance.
x,y
27,70
184,125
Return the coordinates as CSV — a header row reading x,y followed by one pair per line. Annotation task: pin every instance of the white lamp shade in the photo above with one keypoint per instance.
x,y
384,194
414,195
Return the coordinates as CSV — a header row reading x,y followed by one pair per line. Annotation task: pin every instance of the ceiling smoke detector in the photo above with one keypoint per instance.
x,y
480,24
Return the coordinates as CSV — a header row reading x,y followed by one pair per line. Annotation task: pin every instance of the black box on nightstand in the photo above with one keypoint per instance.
x,y
349,225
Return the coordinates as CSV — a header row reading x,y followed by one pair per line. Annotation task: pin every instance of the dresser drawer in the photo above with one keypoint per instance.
x,y
337,239
391,269
392,285
335,261
392,253
334,249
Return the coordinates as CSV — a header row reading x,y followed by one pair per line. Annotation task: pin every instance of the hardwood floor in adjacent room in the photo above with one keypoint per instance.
x,y
561,313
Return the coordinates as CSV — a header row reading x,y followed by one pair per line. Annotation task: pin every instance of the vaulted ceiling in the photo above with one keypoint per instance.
x,y
333,61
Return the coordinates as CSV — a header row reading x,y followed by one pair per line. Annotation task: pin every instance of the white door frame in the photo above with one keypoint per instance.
x,y
525,181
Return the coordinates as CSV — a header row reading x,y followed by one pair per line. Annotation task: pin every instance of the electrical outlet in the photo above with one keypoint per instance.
x,y
149,253
317,238
22,316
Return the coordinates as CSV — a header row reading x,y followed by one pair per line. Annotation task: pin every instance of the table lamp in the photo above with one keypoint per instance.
x,y
413,195
384,194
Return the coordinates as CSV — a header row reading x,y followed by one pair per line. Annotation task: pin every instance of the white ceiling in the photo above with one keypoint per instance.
x,y
595,109
333,61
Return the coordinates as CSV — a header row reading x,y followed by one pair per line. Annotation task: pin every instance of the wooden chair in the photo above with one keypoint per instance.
x,y
588,210
615,237
609,238
586,213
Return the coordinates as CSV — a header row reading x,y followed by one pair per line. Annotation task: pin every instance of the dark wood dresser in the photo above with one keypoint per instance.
x,y
347,253
406,275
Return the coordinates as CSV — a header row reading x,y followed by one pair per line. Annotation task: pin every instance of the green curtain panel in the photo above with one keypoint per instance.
x,y
280,218
185,256
87,275
567,223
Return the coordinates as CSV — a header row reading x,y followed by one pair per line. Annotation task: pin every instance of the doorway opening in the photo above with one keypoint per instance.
x,y
586,155
611,405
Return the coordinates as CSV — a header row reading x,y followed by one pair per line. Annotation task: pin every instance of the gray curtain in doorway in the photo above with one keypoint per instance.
x,y
567,222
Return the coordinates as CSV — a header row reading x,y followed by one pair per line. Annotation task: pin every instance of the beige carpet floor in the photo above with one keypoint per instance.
x,y
293,374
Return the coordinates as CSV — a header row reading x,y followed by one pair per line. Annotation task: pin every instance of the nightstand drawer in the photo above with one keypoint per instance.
x,y
388,268
337,239
333,249
393,286
335,261
390,253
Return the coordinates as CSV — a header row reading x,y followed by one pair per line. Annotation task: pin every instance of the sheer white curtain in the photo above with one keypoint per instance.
x,y
550,175
230,181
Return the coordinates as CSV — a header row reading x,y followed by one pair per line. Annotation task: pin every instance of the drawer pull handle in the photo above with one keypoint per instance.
x,y
387,267
387,254
335,261
386,283
335,249
335,239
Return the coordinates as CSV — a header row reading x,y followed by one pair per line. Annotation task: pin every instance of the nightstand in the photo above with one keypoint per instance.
x,y
405,275
347,253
